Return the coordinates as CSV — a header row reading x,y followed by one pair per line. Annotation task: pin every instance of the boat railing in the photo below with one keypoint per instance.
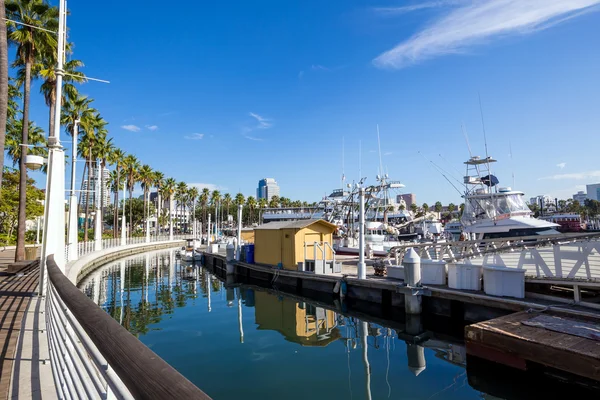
x,y
93,356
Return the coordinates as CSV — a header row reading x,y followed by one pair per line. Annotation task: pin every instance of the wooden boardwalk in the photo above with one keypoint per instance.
x,y
16,292
564,343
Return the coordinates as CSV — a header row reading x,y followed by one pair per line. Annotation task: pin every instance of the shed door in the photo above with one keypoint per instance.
x,y
310,238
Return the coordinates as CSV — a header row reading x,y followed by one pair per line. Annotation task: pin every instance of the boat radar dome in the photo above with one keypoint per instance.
x,y
505,189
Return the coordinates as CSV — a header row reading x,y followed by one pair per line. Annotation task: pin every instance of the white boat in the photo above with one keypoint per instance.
x,y
496,212
189,253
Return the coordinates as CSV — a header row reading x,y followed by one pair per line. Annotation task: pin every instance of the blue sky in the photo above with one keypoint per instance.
x,y
226,93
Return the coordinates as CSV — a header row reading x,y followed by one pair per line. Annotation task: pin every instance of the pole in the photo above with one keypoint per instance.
x,y
208,232
37,234
98,203
54,205
73,229
123,229
148,218
238,249
171,217
362,274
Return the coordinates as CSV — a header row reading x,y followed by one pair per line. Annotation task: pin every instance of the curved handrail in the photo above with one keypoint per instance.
x,y
145,374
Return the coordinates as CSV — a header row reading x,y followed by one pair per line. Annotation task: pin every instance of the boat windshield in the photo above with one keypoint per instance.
x,y
493,206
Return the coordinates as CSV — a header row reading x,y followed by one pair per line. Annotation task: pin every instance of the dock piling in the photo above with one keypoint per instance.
x,y
412,278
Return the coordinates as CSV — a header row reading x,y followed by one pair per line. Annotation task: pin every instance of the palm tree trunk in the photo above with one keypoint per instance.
x,y
87,200
3,86
130,212
145,213
116,207
20,252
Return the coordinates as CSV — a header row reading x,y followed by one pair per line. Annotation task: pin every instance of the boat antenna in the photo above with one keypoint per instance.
x,y
489,170
441,173
464,131
360,159
379,146
343,155
512,165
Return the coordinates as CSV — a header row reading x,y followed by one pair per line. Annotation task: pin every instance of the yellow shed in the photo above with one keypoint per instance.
x,y
286,242
248,235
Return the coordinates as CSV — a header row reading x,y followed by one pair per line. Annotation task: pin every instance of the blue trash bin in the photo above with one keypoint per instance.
x,y
250,254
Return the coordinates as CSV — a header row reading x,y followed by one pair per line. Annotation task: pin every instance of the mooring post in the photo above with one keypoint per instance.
x,y
361,267
238,249
412,276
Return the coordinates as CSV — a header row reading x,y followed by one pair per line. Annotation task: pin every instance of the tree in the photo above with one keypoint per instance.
x,y
204,197
146,178
159,179
31,43
13,139
118,159
135,211
215,200
181,191
414,208
192,196
3,86
251,204
425,207
103,150
438,207
168,190
274,202
9,203
227,200
132,166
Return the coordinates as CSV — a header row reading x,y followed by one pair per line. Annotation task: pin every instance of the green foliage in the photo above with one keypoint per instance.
x,y
9,203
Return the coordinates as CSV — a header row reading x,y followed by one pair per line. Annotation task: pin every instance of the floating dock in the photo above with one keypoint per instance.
x,y
522,339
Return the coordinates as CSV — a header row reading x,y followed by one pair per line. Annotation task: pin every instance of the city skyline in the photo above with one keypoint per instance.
x,y
317,90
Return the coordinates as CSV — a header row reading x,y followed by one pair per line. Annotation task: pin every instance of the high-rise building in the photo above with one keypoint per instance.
x,y
409,199
593,191
267,188
106,199
580,196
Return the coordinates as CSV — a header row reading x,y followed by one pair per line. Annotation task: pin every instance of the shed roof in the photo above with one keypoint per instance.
x,y
302,223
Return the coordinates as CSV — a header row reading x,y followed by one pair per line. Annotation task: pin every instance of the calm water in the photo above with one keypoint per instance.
x,y
246,342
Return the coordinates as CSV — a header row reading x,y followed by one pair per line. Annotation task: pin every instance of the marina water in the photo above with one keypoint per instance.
x,y
237,341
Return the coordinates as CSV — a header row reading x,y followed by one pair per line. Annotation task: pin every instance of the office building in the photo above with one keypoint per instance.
x,y
593,191
267,188
409,199
580,196
106,192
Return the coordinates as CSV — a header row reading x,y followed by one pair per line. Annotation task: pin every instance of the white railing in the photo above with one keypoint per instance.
x,y
88,247
85,343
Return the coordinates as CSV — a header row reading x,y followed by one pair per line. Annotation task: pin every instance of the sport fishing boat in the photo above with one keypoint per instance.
x,y
496,212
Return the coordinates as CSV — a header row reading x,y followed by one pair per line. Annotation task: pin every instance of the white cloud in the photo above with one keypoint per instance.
x,y
131,128
263,123
478,20
390,11
209,186
195,136
388,153
151,127
256,139
561,165
318,67
574,176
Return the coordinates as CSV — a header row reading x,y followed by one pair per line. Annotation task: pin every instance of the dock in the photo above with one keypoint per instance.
x,y
523,339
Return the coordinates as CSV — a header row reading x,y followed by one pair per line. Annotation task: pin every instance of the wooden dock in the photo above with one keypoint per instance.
x,y
523,339
16,291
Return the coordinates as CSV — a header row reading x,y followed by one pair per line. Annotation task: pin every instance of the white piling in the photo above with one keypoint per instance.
x,y
412,278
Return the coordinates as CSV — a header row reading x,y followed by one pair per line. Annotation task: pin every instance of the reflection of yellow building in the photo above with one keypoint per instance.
x,y
286,242
297,322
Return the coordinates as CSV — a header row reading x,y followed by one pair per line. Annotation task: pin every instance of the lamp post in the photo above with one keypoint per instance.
x,y
362,274
98,204
54,213
123,229
73,229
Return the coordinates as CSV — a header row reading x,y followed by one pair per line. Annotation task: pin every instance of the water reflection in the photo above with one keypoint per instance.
x,y
276,346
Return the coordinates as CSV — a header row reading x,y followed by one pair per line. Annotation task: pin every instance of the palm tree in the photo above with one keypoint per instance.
x,y
103,149
132,165
262,203
204,196
13,139
239,200
227,200
215,200
30,42
168,189
180,196
146,178
117,157
159,178
192,195
251,204
3,85
425,207
274,202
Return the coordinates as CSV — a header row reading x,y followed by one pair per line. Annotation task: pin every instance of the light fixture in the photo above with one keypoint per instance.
x,y
34,162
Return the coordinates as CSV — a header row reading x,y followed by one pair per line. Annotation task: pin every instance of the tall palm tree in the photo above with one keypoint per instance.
x,y
146,178
192,197
118,159
262,203
215,200
132,165
13,139
30,44
251,204
180,196
103,149
159,178
227,200
274,202
204,197
168,189
3,85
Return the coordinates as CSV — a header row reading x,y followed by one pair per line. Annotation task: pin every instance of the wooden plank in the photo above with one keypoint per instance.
x,y
567,326
554,349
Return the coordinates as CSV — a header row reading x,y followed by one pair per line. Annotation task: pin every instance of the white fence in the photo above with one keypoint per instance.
x,y
84,248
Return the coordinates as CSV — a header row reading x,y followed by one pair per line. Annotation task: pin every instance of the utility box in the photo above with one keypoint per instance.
x,y
499,280
30,253
464,276
433,272
395,272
